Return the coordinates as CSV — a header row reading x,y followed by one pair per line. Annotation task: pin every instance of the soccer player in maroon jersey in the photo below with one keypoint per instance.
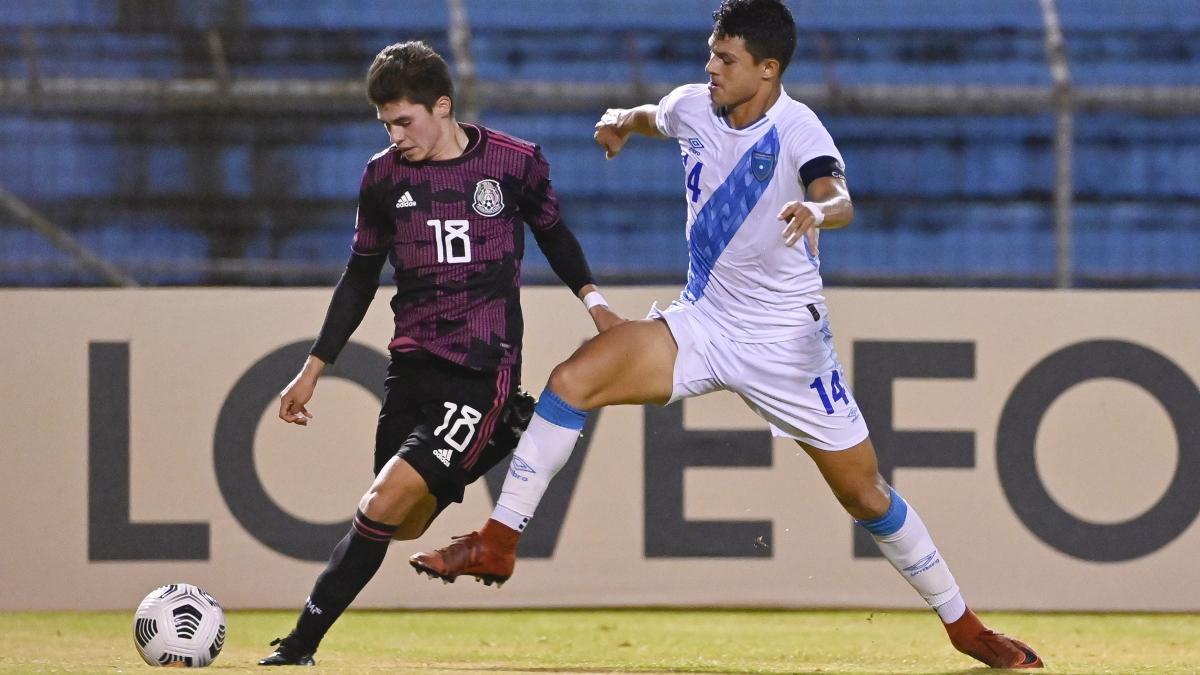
x,y
447,204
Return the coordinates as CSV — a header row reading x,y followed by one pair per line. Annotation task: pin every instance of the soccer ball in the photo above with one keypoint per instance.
x,y
179,625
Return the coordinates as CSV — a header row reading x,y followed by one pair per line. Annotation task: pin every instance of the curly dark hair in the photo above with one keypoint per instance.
x,y
411,71
767,27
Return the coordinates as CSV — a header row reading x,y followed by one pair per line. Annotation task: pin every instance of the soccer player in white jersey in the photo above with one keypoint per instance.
x,y
762,176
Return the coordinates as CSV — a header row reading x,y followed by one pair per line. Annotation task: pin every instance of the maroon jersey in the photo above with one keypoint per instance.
x,y
454,232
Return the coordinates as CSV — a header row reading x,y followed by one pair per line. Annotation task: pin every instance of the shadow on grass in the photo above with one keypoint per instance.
x,y
581,670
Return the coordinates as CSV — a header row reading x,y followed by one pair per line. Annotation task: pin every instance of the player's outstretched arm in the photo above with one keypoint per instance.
x,y
349,305
615,125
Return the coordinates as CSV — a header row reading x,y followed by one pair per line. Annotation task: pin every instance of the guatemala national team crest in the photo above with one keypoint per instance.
x,y
489,200
761,165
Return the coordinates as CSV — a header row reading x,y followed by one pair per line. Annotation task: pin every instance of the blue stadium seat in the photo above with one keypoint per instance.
x,y
589,15
401,17
153,247
27,258
58,13
1122,15
329,245
918,14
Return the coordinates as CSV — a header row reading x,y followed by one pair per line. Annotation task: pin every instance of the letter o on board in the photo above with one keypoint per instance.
x,y
233,447
1016,439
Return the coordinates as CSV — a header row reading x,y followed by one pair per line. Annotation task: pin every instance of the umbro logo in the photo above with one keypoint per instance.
x,y
443,454
923,564
518,466
406,201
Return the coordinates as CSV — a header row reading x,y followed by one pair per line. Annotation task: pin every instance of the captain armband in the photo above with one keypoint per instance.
x,y
821,167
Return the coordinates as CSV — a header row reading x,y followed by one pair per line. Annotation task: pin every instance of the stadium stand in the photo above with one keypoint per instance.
x,y
217,196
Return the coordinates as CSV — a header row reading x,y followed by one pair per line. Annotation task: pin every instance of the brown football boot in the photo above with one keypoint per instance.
x,y
488,554
971,637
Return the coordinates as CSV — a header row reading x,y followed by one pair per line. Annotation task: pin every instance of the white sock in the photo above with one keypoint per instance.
x,y
906,543
544,448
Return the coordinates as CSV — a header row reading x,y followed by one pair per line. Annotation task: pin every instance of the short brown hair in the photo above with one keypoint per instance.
x,y
410,71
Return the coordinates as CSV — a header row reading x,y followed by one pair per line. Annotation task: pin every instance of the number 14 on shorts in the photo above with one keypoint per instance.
x,y
835,388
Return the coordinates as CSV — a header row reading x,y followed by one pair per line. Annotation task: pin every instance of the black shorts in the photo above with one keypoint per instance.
x,y
451,423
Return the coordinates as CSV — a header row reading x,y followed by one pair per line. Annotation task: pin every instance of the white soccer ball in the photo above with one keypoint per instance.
x,y
179,625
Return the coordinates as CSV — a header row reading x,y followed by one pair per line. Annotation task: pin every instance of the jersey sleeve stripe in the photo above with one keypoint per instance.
x,y
504,143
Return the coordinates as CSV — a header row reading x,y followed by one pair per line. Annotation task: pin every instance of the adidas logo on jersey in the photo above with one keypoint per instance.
x,y
443,454
406,200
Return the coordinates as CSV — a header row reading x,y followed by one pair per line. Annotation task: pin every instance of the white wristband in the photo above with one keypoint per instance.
x,y
593,299
818,214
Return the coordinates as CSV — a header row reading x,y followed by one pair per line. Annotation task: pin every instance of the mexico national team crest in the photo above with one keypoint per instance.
x,y
761,165
489,200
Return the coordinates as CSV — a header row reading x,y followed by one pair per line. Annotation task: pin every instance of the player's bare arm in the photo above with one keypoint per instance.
x,y
297,393
601,314
828,207
615,125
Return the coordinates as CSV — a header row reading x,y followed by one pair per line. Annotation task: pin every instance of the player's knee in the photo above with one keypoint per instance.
x,y
371,504
380,504
569,384
865,499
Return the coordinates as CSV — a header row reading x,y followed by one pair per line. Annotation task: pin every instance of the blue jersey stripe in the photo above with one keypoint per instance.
x,y
724,213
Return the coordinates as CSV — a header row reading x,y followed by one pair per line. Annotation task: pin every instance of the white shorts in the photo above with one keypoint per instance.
x,y
798,385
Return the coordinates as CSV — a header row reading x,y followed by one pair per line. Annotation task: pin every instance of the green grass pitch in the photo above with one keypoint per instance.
x,y
613,641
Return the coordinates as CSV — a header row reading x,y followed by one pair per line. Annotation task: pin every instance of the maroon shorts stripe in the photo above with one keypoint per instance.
x,y
488,425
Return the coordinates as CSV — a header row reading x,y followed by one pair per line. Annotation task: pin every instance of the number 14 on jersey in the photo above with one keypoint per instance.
x,y
693,180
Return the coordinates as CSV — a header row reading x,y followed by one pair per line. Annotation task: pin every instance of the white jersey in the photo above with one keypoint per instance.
x,y
740,273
